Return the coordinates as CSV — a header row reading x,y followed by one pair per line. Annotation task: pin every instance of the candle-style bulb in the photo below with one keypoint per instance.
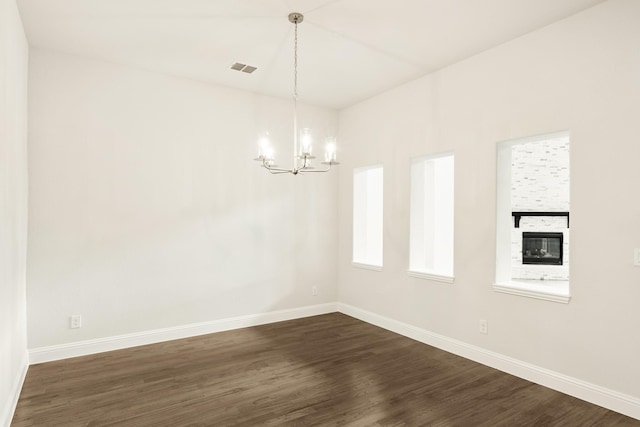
x,y
330,150
305,142
263,146
269,153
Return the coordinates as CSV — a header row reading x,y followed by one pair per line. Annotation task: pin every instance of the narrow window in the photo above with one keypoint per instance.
x,y
431,227
367,217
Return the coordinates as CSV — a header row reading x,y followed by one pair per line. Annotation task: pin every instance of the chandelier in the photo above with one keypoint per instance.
x,y
302,141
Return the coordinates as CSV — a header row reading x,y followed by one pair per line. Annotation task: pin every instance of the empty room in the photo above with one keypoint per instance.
x,y
319,212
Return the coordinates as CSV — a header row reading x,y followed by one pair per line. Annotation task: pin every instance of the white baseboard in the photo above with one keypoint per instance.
x,y
601,396
83,348
8,410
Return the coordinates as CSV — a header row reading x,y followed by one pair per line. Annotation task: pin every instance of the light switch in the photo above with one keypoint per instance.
x,y
636,257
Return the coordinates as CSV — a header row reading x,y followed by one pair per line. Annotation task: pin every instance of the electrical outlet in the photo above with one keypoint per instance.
x,y
75,321
484,326
636,257
314,291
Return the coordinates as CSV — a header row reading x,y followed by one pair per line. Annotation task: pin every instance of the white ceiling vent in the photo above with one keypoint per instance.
x,y
243,67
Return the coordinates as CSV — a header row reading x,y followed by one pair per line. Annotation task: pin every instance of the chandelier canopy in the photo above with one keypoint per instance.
x,y
302,140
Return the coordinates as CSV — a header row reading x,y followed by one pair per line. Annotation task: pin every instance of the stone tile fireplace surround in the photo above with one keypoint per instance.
x,y
540,183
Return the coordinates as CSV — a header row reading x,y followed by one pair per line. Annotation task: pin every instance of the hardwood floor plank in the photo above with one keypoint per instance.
x,y
323,370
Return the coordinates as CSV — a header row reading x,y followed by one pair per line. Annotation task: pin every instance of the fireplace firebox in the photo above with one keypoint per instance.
x,y
542,248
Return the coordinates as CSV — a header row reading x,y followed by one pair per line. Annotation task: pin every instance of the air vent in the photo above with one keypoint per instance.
x,y
243,67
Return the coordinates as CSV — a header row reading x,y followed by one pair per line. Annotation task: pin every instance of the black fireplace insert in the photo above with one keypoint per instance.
x,y
542,248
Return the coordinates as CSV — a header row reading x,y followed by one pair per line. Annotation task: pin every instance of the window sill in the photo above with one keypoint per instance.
x,y
430,276
551,290
366,266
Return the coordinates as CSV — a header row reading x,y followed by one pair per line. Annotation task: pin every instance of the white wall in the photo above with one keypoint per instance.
x,y
580,74
147,211
14,53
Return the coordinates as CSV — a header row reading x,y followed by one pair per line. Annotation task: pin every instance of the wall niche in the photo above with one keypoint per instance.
x,y
533,205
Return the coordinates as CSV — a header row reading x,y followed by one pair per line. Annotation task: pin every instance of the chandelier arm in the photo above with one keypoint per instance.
x,y
276,171
315,170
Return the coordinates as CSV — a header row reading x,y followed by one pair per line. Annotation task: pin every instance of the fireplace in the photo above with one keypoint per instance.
x,y
542,248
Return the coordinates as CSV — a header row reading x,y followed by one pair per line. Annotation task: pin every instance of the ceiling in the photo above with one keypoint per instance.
x,y
349,50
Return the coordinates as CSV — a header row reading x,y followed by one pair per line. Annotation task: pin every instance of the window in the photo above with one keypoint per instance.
x,y
532,228
367,217
431,228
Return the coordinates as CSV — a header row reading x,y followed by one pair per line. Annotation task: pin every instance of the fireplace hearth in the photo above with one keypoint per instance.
x,y
542,248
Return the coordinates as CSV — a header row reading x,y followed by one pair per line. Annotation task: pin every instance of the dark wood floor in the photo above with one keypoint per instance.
x,y
322,370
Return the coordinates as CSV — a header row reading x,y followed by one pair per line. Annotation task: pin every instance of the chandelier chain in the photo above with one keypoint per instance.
x,y
295,93
295,61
